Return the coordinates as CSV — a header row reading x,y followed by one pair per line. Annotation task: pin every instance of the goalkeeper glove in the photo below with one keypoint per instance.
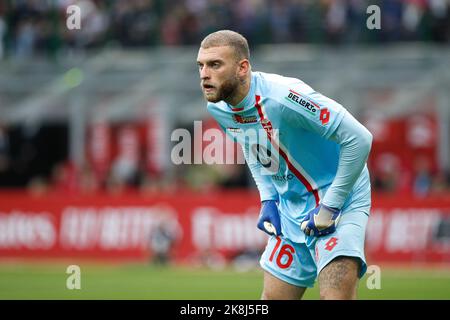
x,y
269,218
320,221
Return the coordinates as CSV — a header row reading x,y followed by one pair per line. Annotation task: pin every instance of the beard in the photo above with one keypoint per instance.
x,y
226,90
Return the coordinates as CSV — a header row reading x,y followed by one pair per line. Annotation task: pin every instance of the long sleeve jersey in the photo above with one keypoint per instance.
x,y
302,148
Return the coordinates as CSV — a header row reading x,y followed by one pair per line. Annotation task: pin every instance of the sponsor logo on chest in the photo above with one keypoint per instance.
x,y
244,119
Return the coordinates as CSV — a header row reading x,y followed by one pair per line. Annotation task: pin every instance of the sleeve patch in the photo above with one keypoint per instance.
x,y
324,116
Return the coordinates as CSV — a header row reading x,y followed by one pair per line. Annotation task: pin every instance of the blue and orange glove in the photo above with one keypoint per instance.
x,y
321,221
269,218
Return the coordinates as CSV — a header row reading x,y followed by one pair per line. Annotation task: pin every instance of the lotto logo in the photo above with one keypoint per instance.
x,y
331,244
324,116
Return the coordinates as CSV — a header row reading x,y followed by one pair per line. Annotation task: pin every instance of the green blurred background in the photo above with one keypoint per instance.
x,y
99,281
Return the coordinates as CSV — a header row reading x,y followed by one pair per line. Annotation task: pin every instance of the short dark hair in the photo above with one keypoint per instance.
x,y
228,38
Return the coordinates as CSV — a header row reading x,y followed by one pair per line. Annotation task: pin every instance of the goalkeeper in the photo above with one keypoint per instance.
x,y
309,165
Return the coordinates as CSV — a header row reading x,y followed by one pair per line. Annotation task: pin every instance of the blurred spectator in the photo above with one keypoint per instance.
x,y
94,22
336,20
279,21
234,176
298,13
163,237
5,160
38,186
391,20
135,23
202,178
440,183
423,177
25,39
67,179
154,183
125,169
412,16
386,173
64,178
2,35
439,16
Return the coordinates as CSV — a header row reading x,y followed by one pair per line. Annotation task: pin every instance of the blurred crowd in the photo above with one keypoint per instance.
x,y
31,26
392,177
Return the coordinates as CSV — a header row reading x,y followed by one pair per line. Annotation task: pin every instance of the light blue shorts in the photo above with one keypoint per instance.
x,y
300,263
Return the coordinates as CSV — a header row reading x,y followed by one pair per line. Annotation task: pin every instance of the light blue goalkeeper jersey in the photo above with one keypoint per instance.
x,y
302,148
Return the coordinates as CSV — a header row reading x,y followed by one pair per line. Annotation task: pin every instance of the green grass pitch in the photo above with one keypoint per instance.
x,y
100,281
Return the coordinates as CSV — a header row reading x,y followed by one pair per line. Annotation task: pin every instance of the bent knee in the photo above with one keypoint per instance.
x,y
274,295
333,294
267,296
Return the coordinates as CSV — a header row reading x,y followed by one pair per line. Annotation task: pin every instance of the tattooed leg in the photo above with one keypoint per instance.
x,y
339,279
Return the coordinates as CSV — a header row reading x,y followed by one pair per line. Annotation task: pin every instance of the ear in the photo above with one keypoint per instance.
x,y
244,67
